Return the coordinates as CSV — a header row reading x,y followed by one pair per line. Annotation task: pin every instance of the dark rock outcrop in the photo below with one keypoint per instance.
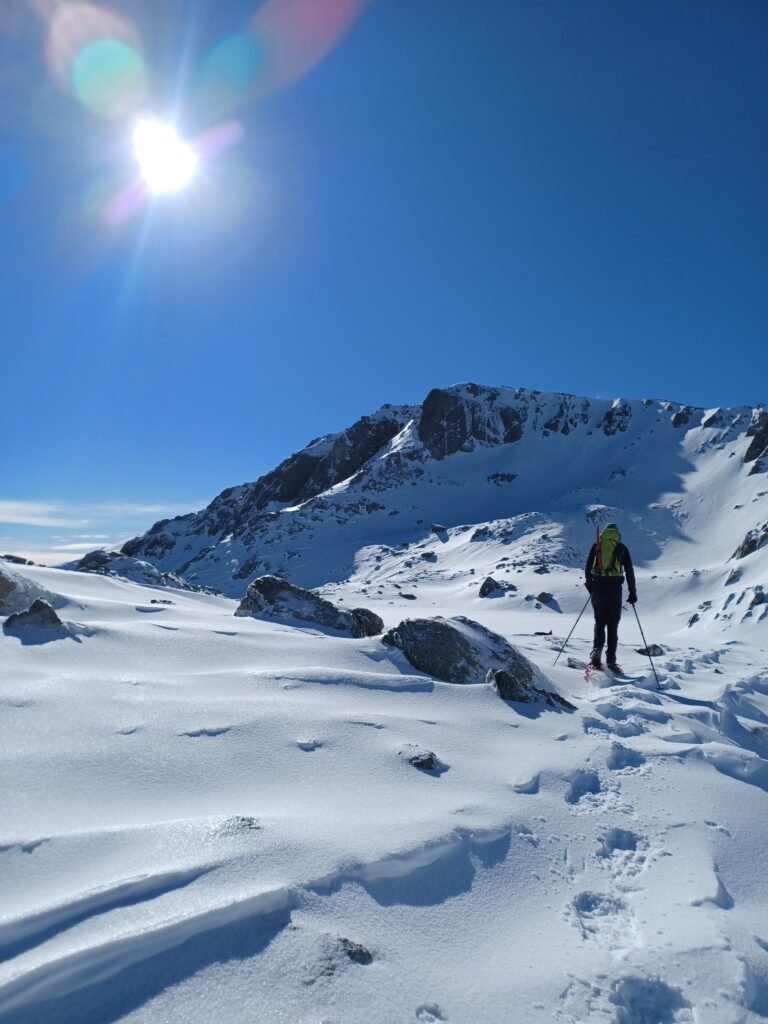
x,y
489,586
519,687
758,432
459,650
16,560
369,623
39,615
451,421
652,649
752,542
277,598
545,597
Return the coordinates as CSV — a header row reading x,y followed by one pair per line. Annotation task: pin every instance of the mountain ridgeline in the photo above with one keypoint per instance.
x,y
539,469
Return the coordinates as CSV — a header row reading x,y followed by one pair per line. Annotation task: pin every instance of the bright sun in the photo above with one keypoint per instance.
x,y
167,164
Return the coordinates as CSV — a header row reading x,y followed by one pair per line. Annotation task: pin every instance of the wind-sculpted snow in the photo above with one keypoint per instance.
x,y
207,817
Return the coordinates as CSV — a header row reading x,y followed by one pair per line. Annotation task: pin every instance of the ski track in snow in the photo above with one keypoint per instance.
x,y
204,822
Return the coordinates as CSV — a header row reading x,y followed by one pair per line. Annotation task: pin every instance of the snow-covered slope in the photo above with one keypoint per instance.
x,y
207,817
688,487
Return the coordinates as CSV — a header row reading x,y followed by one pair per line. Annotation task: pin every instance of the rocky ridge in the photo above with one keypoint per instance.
x,y
537,471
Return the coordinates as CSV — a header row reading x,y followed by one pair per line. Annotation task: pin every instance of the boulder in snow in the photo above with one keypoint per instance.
x,y
18,592
518,685
489,586
39,615
277,598
459,650
652,649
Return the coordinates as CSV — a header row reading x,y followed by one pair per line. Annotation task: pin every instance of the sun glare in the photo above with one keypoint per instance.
x,y
167,163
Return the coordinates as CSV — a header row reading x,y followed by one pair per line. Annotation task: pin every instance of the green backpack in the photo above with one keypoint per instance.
x,y
606,562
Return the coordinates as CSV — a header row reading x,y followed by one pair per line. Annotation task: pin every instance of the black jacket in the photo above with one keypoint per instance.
x,y
623,557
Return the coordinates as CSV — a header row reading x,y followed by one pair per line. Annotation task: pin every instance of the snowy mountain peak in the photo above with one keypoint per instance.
x,y
537,470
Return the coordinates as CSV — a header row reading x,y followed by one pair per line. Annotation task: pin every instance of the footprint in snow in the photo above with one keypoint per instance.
x,y
604,919
582,783
621,758
646,1000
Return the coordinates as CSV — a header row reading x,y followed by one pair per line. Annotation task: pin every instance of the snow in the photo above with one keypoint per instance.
x,y
208,816
205,817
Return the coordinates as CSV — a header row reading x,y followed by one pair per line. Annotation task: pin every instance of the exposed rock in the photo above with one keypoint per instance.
x,y
16,560
758,597
277,598
420,757
357,953
758,431
693,619
682,417
39,615
438,528
369,622
652,649
458,650
452,420
617,418
753,540
501,478
515,687
489,586
545,597
429,556
733,577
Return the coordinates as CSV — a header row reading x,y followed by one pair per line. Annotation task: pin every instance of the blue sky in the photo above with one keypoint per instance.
x,y
542,193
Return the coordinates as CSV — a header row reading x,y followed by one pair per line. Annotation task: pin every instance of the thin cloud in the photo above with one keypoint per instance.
x,y
80,516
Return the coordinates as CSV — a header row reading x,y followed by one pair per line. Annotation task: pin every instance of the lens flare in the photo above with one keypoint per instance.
x,y
228,73
109,78
300,33
166,163
95,54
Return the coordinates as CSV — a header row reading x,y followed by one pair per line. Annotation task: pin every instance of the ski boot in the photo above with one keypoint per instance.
x,y
595,660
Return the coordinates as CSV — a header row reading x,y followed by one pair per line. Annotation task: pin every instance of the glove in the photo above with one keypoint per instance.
x,y
632,598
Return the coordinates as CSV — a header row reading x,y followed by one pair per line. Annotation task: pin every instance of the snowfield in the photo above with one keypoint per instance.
x,y
208,818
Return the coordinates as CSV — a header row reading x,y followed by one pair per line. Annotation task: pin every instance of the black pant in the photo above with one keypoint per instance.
x,y
606,602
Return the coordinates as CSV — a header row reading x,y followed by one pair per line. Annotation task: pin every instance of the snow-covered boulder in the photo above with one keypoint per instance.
x,y
18,592
276,597
39,615
459,650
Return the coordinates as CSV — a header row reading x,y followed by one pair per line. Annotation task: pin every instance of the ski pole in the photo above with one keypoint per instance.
x,y
647,648
571,633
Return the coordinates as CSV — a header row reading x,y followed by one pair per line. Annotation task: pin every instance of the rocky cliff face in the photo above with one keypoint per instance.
x,y
468,455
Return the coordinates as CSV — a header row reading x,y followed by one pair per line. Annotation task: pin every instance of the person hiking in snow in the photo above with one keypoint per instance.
x,y
608,563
